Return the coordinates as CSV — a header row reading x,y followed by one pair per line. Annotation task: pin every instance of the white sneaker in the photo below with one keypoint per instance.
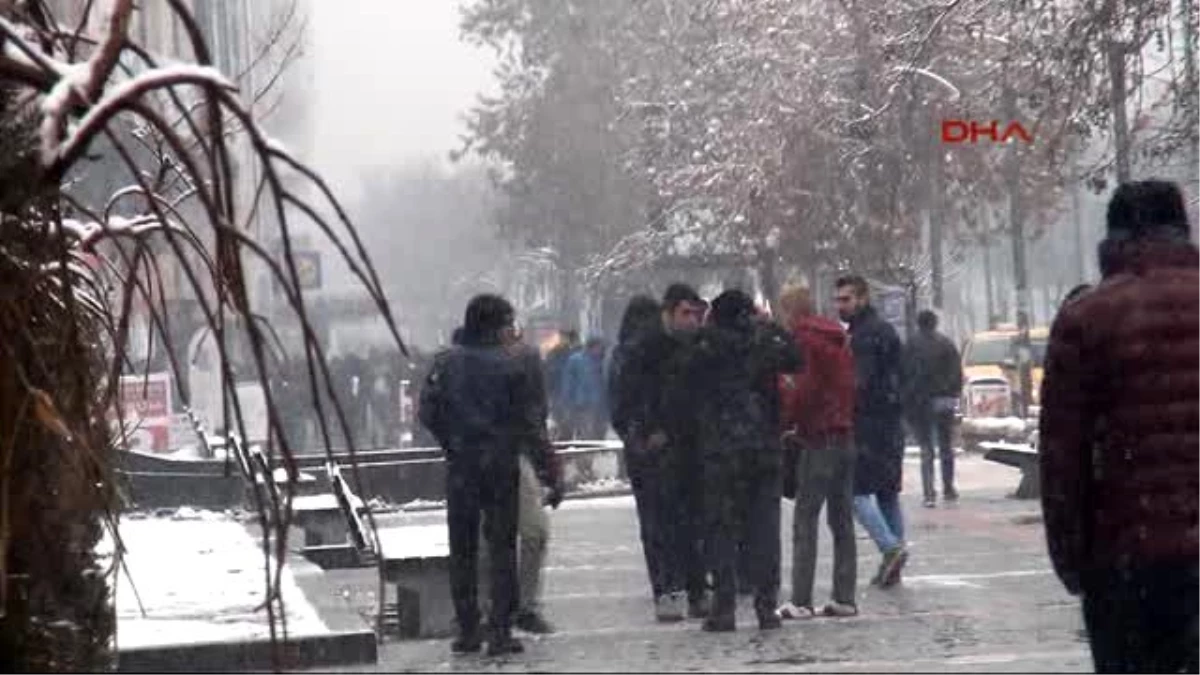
x,y
788,611
671,607
840,610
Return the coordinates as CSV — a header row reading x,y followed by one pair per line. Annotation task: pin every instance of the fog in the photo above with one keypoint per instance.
x,y
384,85
390,80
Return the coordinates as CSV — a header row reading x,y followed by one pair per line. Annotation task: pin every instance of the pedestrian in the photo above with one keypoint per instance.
x,y
556,362
483,405
583,392
1118,439
933,384
817,418
878,435
732,372
539,469
635,416
653,415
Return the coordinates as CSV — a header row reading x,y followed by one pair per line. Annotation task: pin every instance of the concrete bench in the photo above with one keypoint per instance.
x,y
415,562
1020,456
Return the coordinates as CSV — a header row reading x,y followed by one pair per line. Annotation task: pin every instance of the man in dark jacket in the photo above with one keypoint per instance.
x,y
733,373
933,382
653,415
817,421
877,425
1118,439
483,404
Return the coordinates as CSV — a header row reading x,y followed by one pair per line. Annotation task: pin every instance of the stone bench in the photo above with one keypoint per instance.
x,y
1020,456
414,560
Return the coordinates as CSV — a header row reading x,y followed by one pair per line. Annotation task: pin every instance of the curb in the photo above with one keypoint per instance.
x,y
337,649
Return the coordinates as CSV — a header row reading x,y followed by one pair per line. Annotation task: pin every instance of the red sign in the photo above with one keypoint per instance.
x,y
970,131
146,411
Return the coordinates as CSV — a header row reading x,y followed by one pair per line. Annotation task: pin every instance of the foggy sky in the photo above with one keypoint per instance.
x,y
390,81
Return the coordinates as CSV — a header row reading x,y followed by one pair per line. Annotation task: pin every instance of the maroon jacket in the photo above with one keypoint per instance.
x,y
819,402
1120,419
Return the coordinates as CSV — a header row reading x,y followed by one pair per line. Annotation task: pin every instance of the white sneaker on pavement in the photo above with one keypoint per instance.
x,y
788,611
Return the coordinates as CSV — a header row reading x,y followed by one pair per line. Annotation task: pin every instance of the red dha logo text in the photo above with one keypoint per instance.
x,y
963,131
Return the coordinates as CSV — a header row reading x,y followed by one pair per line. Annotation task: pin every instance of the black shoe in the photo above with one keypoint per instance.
x,y
720,624
505,646
698,606
931,502
769,621
532,622
951,495
466,644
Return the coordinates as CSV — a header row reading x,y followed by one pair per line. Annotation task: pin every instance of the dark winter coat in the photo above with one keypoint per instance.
x,y
733,380
648,388
932,369
484,404
1120,415
878,434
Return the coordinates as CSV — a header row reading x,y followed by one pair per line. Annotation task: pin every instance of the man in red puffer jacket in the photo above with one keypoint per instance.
x,y
1119,460
817,414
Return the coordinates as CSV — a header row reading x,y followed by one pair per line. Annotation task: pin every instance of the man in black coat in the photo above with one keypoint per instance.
x,y
933,383
877,425
732,374
484,404
654,416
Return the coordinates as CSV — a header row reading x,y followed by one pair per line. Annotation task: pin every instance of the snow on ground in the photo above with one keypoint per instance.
x,y
200,579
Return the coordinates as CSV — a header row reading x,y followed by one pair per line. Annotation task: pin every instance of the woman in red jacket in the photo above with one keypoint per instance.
x,y
817,413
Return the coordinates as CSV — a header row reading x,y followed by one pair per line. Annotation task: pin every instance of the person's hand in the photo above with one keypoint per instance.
x,y
554,496
656,440
788,437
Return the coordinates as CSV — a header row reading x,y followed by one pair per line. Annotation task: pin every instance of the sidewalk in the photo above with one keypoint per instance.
x,y
978,595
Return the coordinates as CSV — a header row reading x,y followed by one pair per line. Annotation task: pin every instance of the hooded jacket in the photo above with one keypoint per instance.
x,y
819,402
1121,412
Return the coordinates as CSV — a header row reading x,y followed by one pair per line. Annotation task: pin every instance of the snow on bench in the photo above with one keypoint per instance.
x,y
200,581
1021,456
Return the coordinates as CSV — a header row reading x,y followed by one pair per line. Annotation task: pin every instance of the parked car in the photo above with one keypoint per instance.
x,y
992,355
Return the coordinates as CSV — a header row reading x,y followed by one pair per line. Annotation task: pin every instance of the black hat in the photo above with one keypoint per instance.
x,y
1151,209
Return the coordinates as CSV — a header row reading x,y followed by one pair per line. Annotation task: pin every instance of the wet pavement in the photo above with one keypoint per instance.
x,y
978,595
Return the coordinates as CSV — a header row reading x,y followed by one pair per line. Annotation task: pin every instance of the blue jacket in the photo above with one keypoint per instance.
x,y
583,381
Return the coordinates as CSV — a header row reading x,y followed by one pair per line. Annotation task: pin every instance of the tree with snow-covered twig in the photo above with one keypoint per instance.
x,y
72,270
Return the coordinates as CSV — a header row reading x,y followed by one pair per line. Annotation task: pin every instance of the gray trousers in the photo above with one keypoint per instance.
x,y
533,536
824,476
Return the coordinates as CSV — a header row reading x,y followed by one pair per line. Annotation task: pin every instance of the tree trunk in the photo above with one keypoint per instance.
x,y
1115,51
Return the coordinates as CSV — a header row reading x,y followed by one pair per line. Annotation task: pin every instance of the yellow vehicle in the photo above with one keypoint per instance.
x,y
991,356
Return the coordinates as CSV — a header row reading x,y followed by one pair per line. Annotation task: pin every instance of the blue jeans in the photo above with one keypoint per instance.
x,y
880,516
